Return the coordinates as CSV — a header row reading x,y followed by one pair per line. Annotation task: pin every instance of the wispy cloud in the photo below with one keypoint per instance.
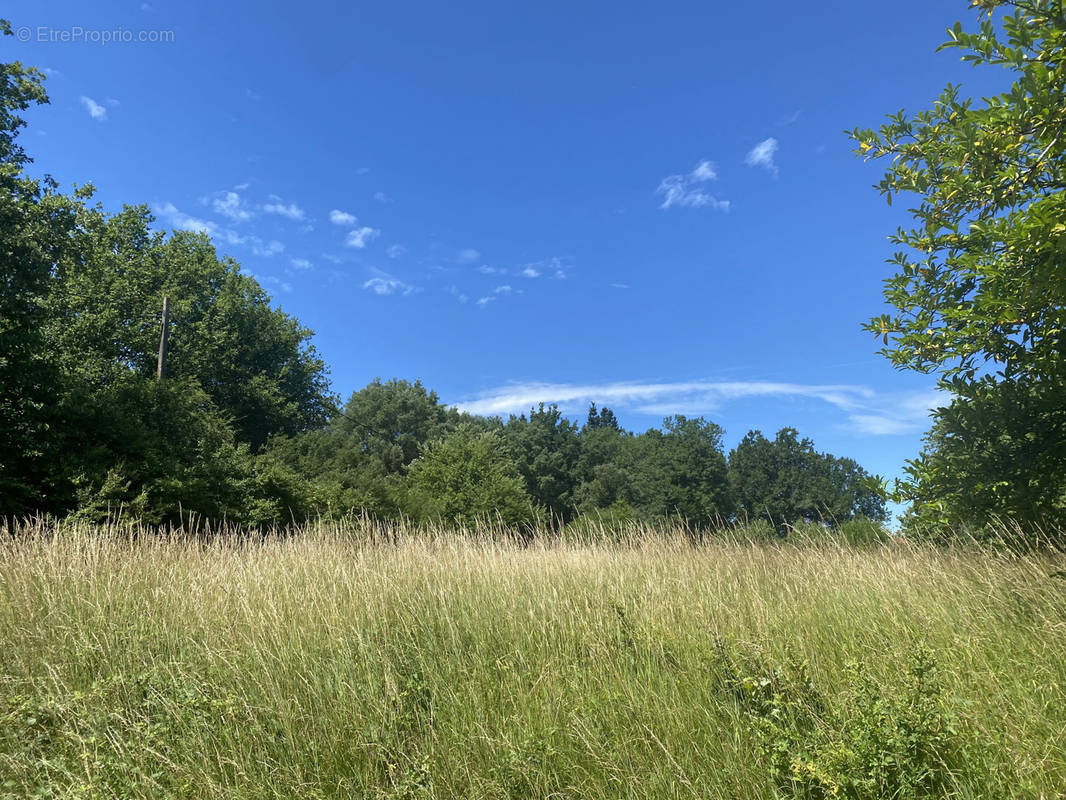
x,y
762,155
468,256
267,249
555,267
484,301
230,205
177,219
690,190
381,197
360,236
388,286
301,263
864,411
899,413
270,280
338,217
395,251
287,210
485,269
96,111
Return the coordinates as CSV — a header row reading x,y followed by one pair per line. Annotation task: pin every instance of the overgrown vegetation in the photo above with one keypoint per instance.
x,y
371,660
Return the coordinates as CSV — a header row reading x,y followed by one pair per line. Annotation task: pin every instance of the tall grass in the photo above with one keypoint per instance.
x,y
368,661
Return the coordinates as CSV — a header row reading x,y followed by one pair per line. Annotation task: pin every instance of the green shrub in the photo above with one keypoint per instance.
x,y
611,524
904,741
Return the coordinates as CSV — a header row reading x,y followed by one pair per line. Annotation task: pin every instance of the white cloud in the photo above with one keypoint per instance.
x,y
558,268
762,155
686,190
485,269
360,236
705,171
621,286
484,301
468,255
289,211
864,411
96,111
229,205
338,217
381,197
179,220
387,286
900,413
504,290
270,280
267,249
653,397
458,295
396,251
301,263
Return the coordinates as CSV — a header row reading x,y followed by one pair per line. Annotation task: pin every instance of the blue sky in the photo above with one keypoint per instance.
x,y
650,206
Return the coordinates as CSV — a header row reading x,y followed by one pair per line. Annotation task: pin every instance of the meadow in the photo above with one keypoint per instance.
x,y
371,661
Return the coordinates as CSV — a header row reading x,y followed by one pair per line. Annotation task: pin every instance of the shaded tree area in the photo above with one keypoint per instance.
x,y
786,481
244,426
85,426
395,450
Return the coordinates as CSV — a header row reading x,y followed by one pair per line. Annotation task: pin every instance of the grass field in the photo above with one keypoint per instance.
x,y
345,663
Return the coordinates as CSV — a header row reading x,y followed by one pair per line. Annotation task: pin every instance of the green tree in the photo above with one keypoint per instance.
x,y
979,293
786,481
603,475
392,421
999,450
255,362
677,471
35,221
465,477
545,446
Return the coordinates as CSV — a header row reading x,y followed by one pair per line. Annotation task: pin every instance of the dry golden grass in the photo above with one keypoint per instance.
x,y
365,661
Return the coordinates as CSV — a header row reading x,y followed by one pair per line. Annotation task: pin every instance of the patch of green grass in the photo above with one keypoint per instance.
x,y
362,661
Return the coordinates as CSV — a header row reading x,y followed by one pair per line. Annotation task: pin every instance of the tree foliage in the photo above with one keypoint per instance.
x,y
467,477
786,481
979,292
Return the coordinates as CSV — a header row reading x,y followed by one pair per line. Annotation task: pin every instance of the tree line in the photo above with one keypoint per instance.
x,y
245,426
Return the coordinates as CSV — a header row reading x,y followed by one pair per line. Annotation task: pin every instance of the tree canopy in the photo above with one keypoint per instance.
x,y
979,292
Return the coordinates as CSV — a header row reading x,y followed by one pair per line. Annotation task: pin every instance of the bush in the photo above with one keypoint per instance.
x,y
611,524
905,741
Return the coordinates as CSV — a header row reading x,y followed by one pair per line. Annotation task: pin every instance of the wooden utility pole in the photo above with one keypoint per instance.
x,y
161,364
